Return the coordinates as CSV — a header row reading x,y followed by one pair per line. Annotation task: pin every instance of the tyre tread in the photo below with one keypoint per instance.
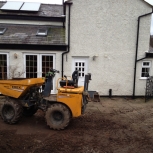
x,y
18,110
67,116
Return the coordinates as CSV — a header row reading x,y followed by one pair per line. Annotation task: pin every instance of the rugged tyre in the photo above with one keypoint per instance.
x,y
29,111
58,116
11,111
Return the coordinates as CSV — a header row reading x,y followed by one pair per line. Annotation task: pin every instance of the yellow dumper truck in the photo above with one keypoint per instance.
x,y
25,96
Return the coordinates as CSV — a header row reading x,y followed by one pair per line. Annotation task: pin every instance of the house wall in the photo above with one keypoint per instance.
x,y
108,29
17,34
19,62
144,40
141,83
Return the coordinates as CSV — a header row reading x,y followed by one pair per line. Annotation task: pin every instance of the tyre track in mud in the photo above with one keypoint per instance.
x,y
121,131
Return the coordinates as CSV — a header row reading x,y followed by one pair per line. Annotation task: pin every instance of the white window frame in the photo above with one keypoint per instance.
x,y
145,66
39,58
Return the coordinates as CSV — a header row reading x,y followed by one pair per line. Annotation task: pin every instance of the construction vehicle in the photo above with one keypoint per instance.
x,y
25,96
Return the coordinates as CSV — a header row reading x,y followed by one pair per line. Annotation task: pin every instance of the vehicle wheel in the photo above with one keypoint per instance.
x,y
11,111
29,111
58,116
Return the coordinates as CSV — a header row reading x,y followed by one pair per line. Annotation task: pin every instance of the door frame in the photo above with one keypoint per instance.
x,y
39,65
81,58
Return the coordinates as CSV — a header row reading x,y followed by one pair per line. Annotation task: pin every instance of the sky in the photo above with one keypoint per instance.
x,y
41,1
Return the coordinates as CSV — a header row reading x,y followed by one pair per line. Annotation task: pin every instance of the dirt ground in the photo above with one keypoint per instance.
x,y
116,125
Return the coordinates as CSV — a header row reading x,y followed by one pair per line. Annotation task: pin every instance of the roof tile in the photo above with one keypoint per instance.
x,y
26,34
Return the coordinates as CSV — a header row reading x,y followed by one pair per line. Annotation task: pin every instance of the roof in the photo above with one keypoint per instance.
x,y
26,34
46,10
150,2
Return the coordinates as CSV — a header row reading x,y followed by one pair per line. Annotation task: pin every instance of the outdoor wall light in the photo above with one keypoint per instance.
x,y
15,55
94,57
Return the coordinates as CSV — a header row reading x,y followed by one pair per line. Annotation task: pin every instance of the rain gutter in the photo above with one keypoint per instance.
x,y
68,48
136,53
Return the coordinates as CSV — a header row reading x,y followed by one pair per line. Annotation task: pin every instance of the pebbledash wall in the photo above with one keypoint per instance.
x,y
108,29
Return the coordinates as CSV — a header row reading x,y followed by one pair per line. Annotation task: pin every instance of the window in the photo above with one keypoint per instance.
x,y
37,65
42,32
145,69
3,66
2,30
80,66
31,66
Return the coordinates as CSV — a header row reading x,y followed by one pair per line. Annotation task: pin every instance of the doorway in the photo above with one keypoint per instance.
x,y
37,65
80,64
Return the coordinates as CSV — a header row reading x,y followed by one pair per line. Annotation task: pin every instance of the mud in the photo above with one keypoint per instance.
x,y
115,125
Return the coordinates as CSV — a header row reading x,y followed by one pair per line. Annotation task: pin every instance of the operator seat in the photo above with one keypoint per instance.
x,y
73,82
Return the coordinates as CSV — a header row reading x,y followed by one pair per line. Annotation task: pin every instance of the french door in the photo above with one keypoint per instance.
x,y
37,65
4,66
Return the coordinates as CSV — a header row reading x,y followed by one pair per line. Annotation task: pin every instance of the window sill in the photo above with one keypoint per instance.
x,y
143,78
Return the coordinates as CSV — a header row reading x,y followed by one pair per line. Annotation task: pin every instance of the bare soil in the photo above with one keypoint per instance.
x,y
115,125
